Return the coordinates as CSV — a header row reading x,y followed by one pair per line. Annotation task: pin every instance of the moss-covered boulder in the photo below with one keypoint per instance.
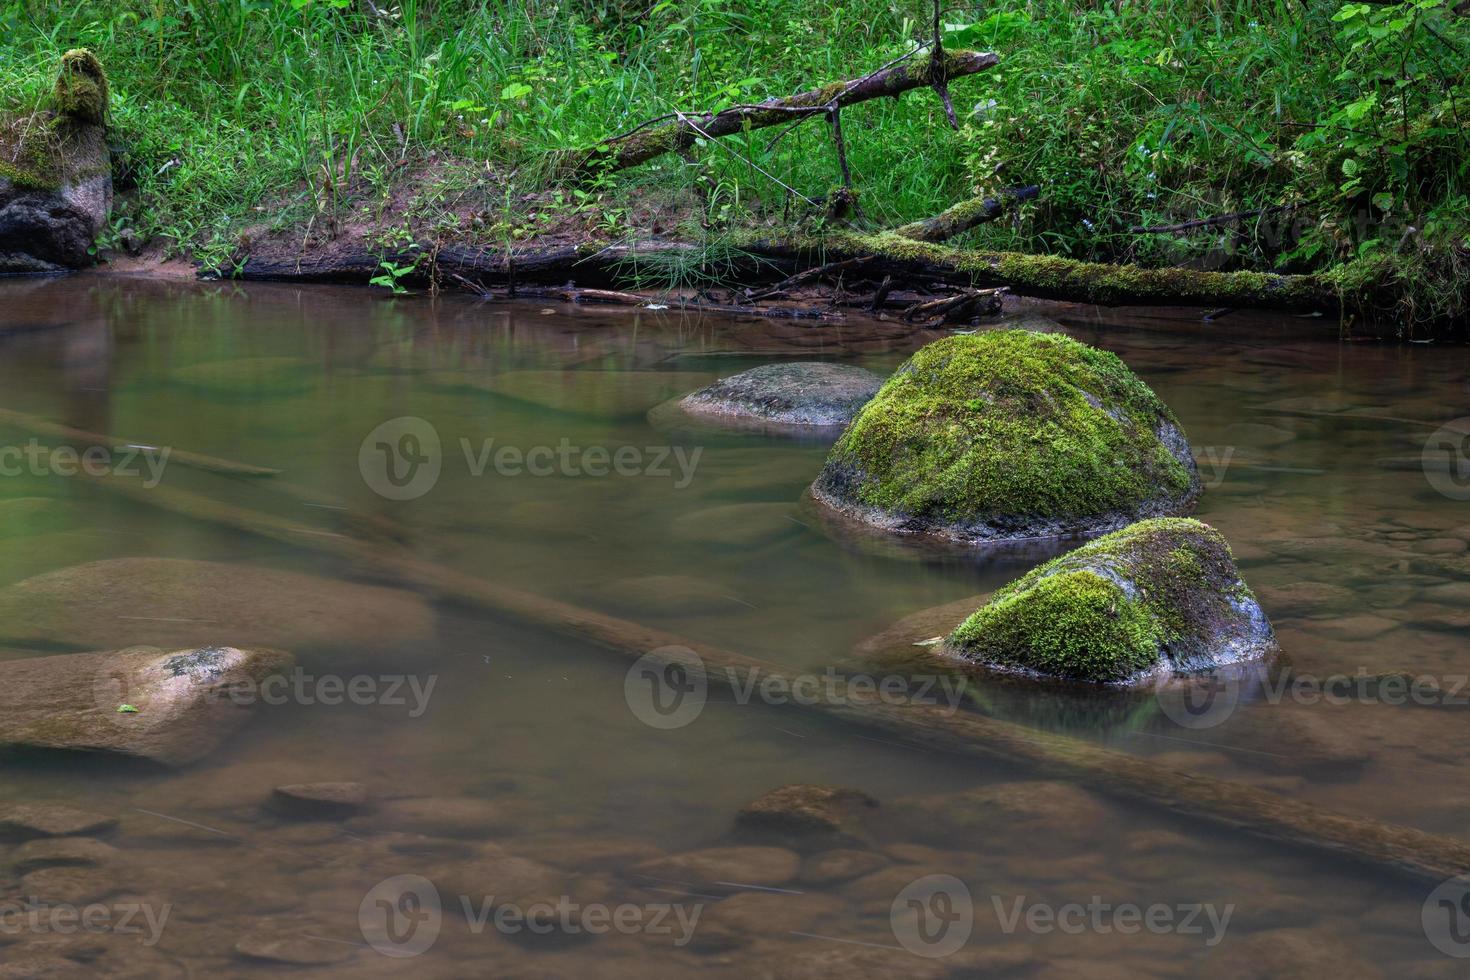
x,y
1159,597
56,174
1009,435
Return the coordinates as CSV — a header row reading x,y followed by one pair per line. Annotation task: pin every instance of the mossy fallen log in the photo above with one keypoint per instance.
x,y
644,144
1355,287
1054,277
966,215
1414,853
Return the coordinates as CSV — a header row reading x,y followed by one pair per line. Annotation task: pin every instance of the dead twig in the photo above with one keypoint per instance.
x,y
1213,222
961,306
804,277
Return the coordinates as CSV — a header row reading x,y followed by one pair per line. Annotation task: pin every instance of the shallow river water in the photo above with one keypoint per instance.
x,y
508,764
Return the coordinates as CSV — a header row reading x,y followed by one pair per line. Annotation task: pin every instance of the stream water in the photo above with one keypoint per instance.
x,y
507,760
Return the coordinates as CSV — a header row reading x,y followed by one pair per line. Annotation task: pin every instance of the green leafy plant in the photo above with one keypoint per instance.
x,y
392,276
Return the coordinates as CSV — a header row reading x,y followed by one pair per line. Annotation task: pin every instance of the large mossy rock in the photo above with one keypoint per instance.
x,y
176,706
1157,598
56,174
1009,435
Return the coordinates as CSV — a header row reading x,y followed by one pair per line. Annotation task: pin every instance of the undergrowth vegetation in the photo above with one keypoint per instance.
x,y
1342,125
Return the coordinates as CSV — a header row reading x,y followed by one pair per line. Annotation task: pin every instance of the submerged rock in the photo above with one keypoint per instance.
x,y
806,818
175,602
1160,597
278,946
62,852
320,800
759,866
465,817
181,701
56,174
838,865
1031,810
31,820
1009,435
804,394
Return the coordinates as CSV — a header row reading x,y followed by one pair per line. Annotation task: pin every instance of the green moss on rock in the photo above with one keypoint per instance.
x,y
81,87
31,153
1159,596
1010,434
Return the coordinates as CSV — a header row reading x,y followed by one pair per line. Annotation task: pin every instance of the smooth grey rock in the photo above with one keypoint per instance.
x,y
800,394
184,709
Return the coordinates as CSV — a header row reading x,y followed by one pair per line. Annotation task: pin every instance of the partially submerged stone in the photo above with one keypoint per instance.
x,y
785,397
1159,597
176,602
56,174
1009,435
171,708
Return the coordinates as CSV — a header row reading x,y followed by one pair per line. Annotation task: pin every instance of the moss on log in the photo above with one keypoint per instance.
x,y
1054,277
966,215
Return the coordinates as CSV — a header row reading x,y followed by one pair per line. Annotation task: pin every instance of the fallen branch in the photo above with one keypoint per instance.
x,y
67,435
1415,853
1216,221
643,143
966,215
961,306
801,278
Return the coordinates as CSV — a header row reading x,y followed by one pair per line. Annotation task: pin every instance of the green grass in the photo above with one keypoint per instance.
x,y
299,113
